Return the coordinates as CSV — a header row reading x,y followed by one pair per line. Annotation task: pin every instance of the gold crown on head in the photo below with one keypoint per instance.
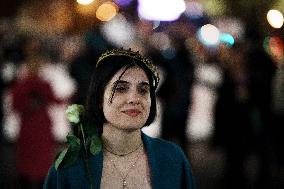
x,y
135,55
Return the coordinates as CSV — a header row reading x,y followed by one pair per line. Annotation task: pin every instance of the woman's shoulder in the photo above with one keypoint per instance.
x,y
160,142
75,167
73,175
163,147
169,164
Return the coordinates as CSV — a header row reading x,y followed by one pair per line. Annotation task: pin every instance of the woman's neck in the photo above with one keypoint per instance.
x,y
121,141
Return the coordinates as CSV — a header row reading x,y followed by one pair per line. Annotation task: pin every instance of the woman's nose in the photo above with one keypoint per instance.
x,y
133,98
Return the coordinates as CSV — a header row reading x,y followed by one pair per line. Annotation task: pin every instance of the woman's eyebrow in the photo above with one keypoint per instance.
x,y
143,83
126,82
120,82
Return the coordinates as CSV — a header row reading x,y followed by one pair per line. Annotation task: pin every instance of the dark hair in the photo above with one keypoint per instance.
x,y
101,76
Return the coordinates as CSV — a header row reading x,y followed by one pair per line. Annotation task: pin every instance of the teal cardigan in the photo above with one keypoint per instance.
x,y
169,169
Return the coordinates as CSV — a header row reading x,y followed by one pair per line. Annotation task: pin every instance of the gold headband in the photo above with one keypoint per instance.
x,y
135,55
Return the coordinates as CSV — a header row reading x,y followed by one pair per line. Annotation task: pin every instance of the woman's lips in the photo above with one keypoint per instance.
x,y
132,112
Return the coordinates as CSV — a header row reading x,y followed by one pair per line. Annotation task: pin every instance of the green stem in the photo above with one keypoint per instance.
x,y
89,174
84,138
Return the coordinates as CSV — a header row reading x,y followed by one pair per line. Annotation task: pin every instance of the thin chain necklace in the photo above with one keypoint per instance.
x,y
117,154
123,177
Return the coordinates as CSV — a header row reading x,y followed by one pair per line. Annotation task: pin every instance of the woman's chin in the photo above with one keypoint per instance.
x,y
129,127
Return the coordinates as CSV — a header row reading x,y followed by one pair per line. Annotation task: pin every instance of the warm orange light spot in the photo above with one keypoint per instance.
x,y
106,11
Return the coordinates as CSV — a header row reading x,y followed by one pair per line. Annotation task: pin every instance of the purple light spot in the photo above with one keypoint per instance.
x,y
123,3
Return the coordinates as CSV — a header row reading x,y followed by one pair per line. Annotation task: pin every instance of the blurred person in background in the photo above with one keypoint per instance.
x,y
232,129
278,115
1,117
30,95
261,70
10,57
175,90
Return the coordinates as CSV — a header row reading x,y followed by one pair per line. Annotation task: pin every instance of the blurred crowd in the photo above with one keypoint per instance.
x,y
42,74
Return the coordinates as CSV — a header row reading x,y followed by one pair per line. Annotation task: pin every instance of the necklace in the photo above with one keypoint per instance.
x,y
117,154
123,177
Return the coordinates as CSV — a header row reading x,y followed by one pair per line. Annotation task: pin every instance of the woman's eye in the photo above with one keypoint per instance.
x,y
121,89
143,91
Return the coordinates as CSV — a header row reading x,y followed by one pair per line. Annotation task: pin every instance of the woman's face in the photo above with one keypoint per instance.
x,y
130,105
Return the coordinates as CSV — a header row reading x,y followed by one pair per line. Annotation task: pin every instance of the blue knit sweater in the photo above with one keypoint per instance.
x,y
169,169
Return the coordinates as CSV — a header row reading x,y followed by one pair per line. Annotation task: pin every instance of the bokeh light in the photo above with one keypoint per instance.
x,y
160,41
106,11
123,3
194,10
119,31
209,35
87,9
227,38
275,18
275,47
161,10
85,2
231,25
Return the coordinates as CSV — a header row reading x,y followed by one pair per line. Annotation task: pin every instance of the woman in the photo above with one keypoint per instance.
x,y
122,101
